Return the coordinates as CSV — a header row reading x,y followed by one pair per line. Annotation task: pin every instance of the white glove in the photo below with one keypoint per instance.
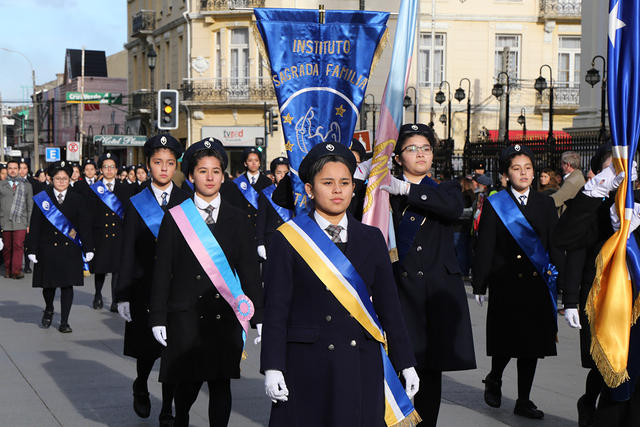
x,y
635,218
411,381
88,256
1,244
572,317
363,170
262,252
160,334
124,310
603,183
274,386
396,187
480,299
32,258
258,339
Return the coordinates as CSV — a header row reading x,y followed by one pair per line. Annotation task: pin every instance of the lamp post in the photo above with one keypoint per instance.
x,y
498,91
36,147
440,98
373,111
540,85
593,77
443,117
152,57
460,95
522,121
407,102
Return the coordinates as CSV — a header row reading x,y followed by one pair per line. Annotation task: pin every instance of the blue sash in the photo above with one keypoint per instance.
x,y
410,224
284,213
58,220
108,198
526,237
150,211
247,190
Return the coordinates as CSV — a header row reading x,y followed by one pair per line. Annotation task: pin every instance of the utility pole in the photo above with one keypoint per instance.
x,y
36,145
503,126
1,130
81,142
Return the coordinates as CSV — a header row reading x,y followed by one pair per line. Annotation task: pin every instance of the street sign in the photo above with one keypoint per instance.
x,y
364,136
52,154
120,140
73,151
94,98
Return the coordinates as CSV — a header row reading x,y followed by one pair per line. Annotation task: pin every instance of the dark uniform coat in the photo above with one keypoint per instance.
x,y
136,278
59,258
107,230
331,365
203,334
267,221
432,294
520,320
82,187
232,193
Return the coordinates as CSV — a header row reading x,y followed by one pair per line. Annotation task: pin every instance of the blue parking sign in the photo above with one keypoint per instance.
x,y
52,154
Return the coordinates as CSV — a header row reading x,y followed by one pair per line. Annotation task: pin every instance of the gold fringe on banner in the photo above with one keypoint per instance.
x,y
262,50
382,44
411,420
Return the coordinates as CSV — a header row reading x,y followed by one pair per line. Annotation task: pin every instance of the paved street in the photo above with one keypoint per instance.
x,y
82,379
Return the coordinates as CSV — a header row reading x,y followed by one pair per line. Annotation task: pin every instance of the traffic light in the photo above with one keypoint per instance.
x,y
274,122
168,103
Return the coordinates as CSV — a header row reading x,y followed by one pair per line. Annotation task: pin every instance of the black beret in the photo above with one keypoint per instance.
x,y
163,141
248,151
511,151
122,169
204,144
321,150
409,129
278,161
38,172
107,156
601,154
88,162
357,146
59,166
483,180
25,161
140,166
131,168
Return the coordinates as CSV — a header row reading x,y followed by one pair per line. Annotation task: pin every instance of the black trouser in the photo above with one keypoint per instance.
x,y
143,367
427,400
611,413
66,300
99,281
219,402
526,372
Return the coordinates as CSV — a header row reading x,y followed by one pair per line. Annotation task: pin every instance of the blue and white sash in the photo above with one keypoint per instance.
x,y
58,220
247,190
337,273
150,211
528,240
284,213
108,198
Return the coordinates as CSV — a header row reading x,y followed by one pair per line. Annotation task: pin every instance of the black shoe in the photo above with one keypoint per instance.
x,y
141,402
166,420
527,409
97,302
586,412
113,308
28,270
65,328
47,316
492,391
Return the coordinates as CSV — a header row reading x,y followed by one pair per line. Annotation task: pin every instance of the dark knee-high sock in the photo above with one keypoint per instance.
x,y
427,400
498,363
526,372
185,395
66,300
48,294
167,398
143,368
593,386
114,285
219,402
99,281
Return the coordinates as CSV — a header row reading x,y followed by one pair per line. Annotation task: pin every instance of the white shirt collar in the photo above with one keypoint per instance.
x,y
56,193
517,195
158,192
566,176
323,223
106,181
202,204
253,175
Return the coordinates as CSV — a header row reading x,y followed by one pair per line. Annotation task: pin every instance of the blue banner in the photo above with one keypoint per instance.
x,y
284,213
149,210
320,74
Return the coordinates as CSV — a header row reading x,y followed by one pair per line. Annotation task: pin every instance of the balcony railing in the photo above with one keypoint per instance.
x,y
141,102
566,97
230,4
144,23
561,9
228,90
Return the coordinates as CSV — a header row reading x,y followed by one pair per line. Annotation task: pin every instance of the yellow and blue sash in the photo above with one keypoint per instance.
x,y
284,213
150,211
59,221
337,273
108,198
247,190
528,240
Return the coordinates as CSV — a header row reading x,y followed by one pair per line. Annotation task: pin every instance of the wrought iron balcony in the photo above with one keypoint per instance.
x,y
563,97
144,22
141,102
213,5
228,90
561,9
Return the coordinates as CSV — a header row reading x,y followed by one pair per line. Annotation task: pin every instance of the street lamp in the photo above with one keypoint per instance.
x,y
460,95
152,57
522,121
498,91
593,77
36,147
443,118
407,102
440,97
540,85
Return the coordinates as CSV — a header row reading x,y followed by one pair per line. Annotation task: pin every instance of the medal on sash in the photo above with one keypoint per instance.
x,y
150,211
247,190
108,198
284,213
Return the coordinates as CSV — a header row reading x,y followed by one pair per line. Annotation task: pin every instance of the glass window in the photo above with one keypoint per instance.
x,y
569,62
239,56
438,58
512,67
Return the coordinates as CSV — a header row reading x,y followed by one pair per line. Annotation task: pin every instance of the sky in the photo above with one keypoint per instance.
x,y
43,29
